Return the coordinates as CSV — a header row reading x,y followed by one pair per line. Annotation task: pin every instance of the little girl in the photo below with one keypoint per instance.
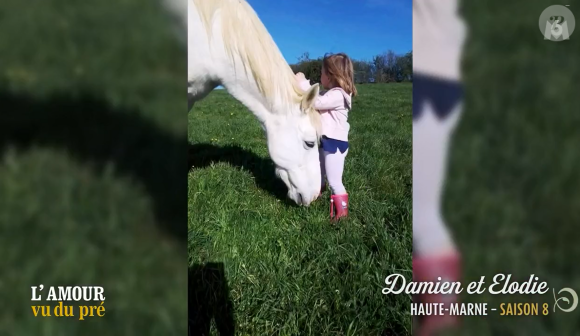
x,y
439,33
334,105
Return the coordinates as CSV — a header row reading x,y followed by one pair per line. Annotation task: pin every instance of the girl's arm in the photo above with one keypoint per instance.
x,y
331,100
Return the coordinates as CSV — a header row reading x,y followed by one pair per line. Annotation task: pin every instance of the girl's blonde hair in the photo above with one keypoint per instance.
x,y
340,71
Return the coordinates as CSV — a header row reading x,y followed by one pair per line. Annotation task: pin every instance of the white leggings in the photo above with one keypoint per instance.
x,y
332,166
430,149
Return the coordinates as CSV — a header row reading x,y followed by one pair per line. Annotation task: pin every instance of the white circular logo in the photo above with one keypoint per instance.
x,y
557,23
574,303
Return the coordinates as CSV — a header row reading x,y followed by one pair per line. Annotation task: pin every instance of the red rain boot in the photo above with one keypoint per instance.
x,y
338,206
429,269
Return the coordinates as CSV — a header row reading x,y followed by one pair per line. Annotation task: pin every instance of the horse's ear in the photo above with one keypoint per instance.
x,y
309,98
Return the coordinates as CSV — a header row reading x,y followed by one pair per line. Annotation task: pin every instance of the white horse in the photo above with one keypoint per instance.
x,y
228,45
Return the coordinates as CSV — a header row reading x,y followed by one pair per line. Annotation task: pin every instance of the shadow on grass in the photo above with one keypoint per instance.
x,y
202,155
97,134
209,300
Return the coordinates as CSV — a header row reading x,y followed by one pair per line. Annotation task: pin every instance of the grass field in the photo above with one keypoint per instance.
x,y
264,266
92,165
513,195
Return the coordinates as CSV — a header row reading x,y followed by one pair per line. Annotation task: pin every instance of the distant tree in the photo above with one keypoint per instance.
x,y
312,69
362,72
379,68
305,57
383,68
405,66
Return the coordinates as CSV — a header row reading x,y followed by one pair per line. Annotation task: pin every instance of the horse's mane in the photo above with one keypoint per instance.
x,y
244,34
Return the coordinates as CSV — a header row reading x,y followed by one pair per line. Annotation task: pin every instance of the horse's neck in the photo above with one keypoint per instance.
x,y
209,59
246,91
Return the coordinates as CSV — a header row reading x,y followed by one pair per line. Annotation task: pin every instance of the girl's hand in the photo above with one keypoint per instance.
x,y
300,77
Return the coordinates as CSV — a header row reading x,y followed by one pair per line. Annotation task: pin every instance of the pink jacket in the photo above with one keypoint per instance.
x,y
333,106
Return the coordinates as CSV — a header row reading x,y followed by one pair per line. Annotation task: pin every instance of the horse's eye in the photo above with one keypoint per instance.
x,y
309,144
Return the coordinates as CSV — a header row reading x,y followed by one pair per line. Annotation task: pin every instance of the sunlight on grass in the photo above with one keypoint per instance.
x,y
289,271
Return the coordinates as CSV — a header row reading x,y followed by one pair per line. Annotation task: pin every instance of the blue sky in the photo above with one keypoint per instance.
x,y
360,28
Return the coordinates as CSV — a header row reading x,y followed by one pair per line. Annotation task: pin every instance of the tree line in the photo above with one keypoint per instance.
x,y
387,67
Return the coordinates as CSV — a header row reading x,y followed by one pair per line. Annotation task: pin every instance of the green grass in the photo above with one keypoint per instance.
x,y
264,266
92,164
512,195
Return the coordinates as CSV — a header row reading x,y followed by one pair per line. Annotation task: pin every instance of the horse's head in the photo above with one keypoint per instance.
x,y
293,139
